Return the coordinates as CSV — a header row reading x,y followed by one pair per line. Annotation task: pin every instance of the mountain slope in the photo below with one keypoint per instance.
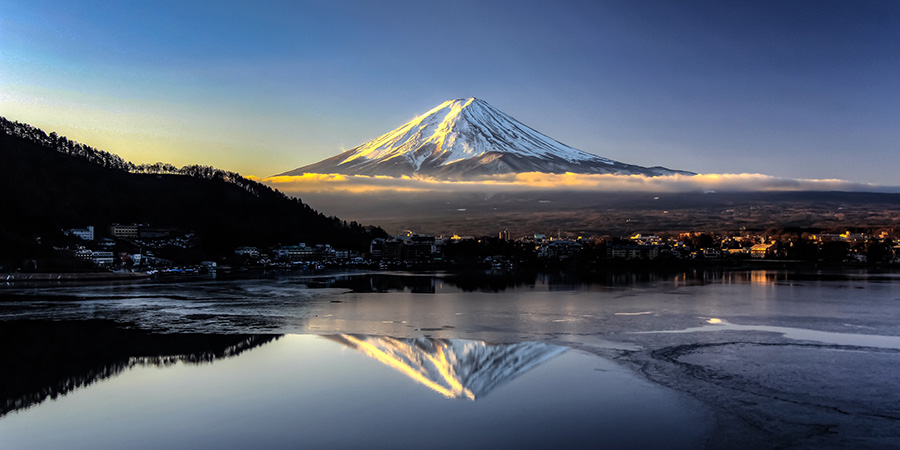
x,y
468,139
49,182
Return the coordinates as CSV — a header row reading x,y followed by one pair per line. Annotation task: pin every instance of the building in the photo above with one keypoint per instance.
x,y
102,258
559,249
762,250
632,251
419,247
298,252
375,248
251,252
391,250
386,249
83,253
120,231
85,234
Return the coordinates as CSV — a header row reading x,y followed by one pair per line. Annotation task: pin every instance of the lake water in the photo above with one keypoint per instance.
x,y
751,359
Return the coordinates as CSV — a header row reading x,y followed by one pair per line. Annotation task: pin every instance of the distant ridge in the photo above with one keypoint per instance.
x,y
466,139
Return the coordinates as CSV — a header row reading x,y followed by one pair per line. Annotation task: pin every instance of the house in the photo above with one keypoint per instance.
x,y
762,250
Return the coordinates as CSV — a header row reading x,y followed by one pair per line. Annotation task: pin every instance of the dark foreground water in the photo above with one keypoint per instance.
x,y
703,359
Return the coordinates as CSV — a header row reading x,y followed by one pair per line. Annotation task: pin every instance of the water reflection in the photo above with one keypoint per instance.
x,y
304,391
454,368
493,282
46,359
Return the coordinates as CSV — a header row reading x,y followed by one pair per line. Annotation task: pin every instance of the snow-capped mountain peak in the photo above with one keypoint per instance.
x,y
464,139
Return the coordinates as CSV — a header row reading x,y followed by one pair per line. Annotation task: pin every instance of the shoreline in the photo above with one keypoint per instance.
x,y
461,270
73,276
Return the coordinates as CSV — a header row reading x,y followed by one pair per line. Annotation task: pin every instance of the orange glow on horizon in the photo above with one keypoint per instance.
x,y
359,184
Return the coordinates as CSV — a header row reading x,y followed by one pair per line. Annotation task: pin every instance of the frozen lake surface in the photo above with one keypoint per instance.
x,y
752,359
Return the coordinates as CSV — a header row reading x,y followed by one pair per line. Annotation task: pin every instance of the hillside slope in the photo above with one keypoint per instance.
x,y
49,183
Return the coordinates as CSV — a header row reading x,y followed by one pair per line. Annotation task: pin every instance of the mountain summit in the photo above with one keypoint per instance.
x,y
466,139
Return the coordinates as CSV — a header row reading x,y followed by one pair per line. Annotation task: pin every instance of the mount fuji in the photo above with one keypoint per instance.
x,y
467,139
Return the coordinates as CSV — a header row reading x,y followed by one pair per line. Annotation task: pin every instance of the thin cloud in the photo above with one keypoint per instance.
x,y
531,181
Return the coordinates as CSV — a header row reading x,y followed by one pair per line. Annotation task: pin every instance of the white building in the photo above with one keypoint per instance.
x,y
102,258
86,234
83,253
252,252
294,252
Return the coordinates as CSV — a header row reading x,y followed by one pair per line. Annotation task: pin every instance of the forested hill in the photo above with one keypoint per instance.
x,y
49,182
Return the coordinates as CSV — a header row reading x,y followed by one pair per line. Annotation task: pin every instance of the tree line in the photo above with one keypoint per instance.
x,y
108,160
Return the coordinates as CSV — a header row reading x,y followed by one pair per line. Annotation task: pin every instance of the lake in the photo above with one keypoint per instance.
x,y
698,359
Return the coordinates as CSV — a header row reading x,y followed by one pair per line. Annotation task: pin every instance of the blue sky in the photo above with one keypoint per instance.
x,y
802,89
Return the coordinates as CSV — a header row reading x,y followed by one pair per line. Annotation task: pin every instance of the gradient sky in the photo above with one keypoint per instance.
x,y
802,89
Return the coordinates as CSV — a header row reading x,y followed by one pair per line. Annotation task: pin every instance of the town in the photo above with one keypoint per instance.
x,y
141,247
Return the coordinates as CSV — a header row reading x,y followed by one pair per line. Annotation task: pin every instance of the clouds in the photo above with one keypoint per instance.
x,y
531,181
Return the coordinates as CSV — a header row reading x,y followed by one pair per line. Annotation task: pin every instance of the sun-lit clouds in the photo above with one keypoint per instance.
x,y
531,181
334,182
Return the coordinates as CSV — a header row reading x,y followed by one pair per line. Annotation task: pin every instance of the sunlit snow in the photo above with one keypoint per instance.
x,y
466,138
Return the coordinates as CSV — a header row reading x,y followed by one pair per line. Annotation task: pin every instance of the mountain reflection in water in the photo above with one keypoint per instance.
x,y
48,359
454,368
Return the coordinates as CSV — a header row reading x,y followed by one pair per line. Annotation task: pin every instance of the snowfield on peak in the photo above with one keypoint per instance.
x,y
465,139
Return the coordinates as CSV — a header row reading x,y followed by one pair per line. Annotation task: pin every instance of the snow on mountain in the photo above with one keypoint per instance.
x,y
454,368
468,139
